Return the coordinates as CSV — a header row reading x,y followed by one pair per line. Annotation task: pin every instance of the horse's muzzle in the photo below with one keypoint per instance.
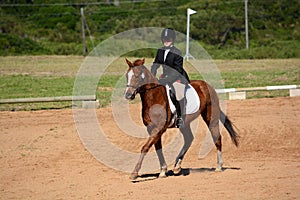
x,y
129,95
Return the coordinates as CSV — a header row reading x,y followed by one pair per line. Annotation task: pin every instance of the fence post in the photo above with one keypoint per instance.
x,y
83,31
237,95
294,92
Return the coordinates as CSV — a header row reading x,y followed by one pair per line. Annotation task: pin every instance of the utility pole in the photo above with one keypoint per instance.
x,y
83,31
246,24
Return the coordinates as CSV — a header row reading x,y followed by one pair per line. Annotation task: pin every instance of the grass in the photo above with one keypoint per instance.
x,y
41,76
40,65
261,77
260,73
16,86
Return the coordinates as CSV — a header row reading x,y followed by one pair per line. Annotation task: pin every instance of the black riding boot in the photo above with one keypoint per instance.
x,y
180,107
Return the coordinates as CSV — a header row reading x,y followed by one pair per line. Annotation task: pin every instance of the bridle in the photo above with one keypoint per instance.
x,y
141,81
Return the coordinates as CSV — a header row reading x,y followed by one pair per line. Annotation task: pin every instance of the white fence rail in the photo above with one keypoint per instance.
x,y
240,93
49,99
234,93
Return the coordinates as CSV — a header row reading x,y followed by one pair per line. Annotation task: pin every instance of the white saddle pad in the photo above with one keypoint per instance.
x,y
193,101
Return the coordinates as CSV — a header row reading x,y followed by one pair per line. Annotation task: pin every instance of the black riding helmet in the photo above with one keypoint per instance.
x,y
168,34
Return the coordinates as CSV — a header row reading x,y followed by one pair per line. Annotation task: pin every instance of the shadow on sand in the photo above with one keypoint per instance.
x,y
184,172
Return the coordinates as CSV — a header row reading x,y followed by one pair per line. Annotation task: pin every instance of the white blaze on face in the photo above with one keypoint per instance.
x,y
143,75
130,74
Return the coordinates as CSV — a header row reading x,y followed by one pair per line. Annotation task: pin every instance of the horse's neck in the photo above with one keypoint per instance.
x,y
151,78
147,94
149,91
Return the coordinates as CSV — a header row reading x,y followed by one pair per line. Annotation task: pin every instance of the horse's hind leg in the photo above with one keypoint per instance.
x,y
213,125
188,139
217,138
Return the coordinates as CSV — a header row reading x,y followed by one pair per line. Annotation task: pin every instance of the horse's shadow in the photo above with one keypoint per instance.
x,y
184,172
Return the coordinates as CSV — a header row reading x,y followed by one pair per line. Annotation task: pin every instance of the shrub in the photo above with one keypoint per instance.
x,y
14,45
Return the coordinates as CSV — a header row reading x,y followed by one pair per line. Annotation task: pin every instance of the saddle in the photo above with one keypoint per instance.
x,y
192,98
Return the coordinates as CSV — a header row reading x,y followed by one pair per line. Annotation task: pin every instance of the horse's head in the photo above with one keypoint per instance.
x,y
135,75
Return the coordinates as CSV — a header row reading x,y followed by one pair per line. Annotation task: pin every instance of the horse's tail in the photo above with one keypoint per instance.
x,y
229,127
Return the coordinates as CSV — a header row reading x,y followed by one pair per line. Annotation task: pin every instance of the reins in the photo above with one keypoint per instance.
x,y
145,89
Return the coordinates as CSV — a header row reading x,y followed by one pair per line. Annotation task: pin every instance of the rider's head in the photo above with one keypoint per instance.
x,y
168,36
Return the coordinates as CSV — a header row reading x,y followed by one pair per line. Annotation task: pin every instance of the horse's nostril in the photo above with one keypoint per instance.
x,y
128,95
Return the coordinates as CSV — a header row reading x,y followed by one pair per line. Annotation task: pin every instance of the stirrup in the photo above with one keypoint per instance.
x,y
180,123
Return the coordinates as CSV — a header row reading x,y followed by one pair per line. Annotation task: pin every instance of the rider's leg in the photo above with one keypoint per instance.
x,y
179,90
179,121
181,109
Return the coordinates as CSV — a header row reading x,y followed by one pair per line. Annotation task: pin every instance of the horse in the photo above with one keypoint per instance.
x,y
157,115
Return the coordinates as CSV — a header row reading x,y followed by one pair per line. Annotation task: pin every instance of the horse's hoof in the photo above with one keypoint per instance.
x,y
177,170
177,167
162,175
134,176
219,169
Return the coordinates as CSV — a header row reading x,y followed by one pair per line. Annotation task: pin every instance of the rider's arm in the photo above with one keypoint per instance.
x,y
157,62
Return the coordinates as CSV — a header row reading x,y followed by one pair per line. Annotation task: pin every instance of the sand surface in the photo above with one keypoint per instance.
x,y
42,157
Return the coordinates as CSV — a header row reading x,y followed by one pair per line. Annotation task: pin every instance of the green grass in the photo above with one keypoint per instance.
x,y
259,73
262,73
46,76
23,86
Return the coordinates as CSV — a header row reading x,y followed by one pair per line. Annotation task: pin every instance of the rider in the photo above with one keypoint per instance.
x,y
172,62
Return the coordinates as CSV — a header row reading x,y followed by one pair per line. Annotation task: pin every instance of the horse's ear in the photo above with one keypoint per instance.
x,y
129,63
143,61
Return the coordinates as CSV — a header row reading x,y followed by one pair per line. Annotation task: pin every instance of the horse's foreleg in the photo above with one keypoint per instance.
x,y
188,139
151,140
138,166
162,162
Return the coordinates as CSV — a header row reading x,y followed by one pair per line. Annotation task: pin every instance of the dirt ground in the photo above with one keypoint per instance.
x,y
42,157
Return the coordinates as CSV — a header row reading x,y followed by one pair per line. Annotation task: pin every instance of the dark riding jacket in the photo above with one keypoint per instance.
x,y
172,66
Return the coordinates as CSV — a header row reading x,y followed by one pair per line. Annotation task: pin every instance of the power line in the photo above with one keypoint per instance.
x,y
104,3
75,4
102,12
91,12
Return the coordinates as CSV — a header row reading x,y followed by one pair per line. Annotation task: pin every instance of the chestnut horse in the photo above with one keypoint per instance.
x,y
157,115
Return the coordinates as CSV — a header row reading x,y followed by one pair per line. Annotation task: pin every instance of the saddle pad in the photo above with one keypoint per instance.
x,y
193,101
